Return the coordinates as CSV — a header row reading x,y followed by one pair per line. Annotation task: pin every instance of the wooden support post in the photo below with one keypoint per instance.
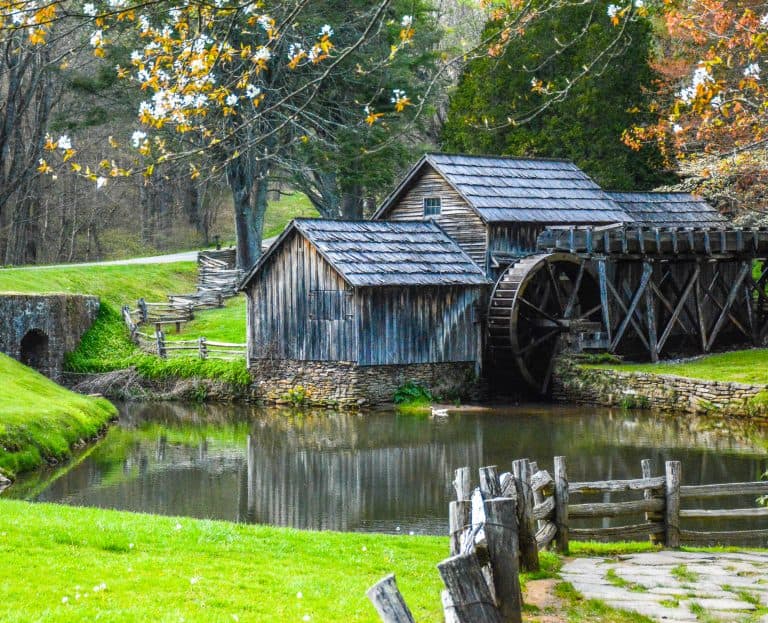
x,y
469,594
160,342
702,321
489,482
630,310
529,549
745,269
202,348
501,535
388,601
143,313
647,468
561,504
462,483
672,509
605,303
459,520
650,320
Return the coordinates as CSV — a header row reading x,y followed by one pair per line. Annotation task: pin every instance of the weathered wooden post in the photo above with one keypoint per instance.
x,y
459,520
202,348
469,594
143,313
489,482
462,483
501,535
529,549
160,342
561,504
647,468
389,603
672,508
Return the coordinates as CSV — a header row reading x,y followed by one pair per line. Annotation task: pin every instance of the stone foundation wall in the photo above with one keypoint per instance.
x,y
345,383
574,383
56,323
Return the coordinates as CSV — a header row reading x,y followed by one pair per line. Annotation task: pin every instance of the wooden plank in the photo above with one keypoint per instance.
x,y
462,483
630,311
723,513
615,509
687,290
650,317
635,484
489,482
646,466
759,487
724,537
545,510
470,596
529,552
501,535
727,306
561,503
389,603
542,481
605,303
459,520
632,532
546,534
672,503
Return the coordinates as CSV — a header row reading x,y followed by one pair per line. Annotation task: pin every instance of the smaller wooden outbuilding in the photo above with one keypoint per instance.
x,y
354,309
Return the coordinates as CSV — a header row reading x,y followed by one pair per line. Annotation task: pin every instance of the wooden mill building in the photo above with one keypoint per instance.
x,y
434,283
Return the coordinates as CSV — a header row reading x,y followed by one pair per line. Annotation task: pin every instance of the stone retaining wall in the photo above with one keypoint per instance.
x,y
574,383
40,329
345,383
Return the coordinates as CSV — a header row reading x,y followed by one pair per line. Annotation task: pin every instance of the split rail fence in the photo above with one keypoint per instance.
x,y
498,528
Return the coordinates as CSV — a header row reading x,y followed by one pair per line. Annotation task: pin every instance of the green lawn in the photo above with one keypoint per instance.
x,y
280,213
226,324
39,420
79,564
744,366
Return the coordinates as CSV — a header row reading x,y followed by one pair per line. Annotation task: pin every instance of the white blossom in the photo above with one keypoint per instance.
x,y
265,22
639,4
407,21
677,128
262,54
144,23
764,21
89,9
326,31
397,95
700,76
137,138
231,99
294,50
252,91
64,142
752,71
100,183
97,38
613,10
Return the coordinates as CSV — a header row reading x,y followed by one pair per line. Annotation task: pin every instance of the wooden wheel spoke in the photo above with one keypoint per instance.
x,y
556,287
539,340
568,311
540,311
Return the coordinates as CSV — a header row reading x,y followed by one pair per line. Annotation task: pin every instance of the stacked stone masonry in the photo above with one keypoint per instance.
x,y
609,387
345,383
40,329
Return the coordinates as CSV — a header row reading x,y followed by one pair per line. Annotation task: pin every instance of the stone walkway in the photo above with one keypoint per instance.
x,y
677,586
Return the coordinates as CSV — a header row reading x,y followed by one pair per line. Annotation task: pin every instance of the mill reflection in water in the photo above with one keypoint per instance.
x,y
374,472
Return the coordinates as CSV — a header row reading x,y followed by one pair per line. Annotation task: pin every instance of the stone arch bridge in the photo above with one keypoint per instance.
x,y
39,330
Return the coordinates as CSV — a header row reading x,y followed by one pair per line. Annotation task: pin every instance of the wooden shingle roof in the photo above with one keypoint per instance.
x,y
530,190
668,209
384,253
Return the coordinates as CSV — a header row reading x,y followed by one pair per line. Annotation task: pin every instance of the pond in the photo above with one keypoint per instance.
x,y
378,471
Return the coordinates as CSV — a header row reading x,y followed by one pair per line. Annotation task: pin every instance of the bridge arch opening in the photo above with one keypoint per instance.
x,y
34,350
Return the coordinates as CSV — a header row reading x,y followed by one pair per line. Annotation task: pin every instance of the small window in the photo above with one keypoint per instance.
x,y
432,206
329,305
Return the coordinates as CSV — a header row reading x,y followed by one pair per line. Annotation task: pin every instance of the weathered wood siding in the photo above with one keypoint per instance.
x,y
418,324
300,308
458,220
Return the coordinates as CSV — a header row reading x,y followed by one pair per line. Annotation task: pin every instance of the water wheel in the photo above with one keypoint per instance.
x,y
540,305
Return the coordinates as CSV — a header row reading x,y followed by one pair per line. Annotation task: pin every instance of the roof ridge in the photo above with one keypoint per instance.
x,y
498,157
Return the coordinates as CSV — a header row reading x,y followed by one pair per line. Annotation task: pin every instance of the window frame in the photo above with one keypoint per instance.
x,y
439,206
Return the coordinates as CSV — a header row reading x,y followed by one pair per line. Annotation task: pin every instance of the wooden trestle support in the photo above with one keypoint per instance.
x,y
639,291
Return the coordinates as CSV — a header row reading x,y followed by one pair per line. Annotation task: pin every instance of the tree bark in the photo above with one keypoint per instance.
x,y
248,183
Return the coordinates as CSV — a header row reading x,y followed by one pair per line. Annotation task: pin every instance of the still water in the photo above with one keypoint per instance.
x,y
379,471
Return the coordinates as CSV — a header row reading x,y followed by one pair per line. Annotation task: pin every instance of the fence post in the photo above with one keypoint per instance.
x,y
529,549
647,467
143,313
561,504
160,340
469,594
389,603
489,482
672,508
462,483
501,535
202,348
459,513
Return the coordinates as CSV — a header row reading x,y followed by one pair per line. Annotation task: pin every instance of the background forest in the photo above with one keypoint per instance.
x,y
579,82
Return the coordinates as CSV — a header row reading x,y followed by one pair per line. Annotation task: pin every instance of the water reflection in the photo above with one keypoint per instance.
x,y
374,472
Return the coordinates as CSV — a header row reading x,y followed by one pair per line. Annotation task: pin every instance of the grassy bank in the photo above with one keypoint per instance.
x,y
41,421
744,366
165,569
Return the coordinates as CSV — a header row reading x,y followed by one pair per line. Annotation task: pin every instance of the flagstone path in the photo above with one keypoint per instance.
x,y
678,586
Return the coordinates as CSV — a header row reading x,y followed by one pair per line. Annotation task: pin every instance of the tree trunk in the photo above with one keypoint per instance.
x,y
248,183
352,203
